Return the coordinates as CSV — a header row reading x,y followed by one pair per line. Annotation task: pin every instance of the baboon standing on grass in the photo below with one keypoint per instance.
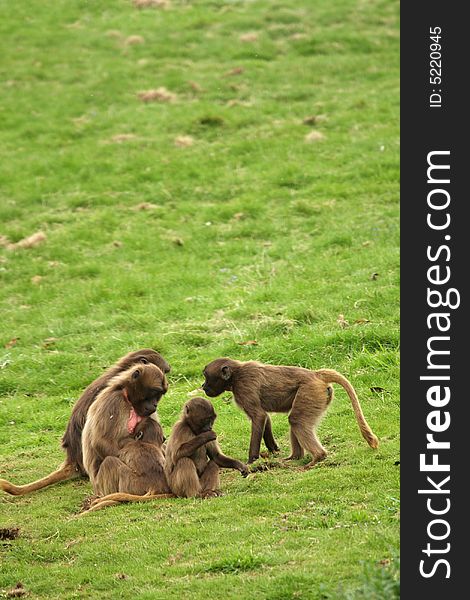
x,y
258,389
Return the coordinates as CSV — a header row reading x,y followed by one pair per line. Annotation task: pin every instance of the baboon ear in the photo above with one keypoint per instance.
x,y
136,374
226,372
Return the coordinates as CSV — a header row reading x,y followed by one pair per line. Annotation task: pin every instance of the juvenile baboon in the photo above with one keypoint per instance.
x,y
258,389
129,399
137,472
193,456
72,439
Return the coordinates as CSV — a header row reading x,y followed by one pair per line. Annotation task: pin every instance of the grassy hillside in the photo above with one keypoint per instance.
x,y
253,199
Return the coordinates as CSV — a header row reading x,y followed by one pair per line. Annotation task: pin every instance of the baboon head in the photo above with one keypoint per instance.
x,y
144,384
199,414
146,356
218,376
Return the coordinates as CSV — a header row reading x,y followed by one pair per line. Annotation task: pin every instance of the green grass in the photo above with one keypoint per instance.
x,y
254,234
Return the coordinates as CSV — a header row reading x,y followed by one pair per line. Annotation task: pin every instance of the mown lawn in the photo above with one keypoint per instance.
x,y
210,217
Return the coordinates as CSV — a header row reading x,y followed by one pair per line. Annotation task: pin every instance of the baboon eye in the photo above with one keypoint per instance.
x,y
144,361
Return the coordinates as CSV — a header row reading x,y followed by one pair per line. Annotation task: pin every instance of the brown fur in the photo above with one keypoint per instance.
x,y
193,456
137,473
304,394
106,433
72,439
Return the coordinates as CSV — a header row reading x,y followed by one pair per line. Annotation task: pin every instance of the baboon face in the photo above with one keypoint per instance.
x,y
146,387
199,414
217,377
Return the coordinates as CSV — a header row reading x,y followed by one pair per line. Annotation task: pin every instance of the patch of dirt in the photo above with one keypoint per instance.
x,y
145,206
123,137
9,533
86,504
152,3
133,40
248,37
17,591
29,242
160,94
195,86
184,141
234,71
267,465
314,136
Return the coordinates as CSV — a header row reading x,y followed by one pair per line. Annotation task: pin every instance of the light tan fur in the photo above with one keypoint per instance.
x,y
106,434
63,473
72,466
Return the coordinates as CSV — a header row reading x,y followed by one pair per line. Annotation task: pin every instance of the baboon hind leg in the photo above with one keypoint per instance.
x,y
110,475
296,449
307,410
210,480
184,480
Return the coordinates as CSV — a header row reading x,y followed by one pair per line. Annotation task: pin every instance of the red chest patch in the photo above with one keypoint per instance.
x,y
132,422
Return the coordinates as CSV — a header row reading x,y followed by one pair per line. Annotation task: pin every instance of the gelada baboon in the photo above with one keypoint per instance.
x,y
137,473
128,400
72,439
258,389
193,456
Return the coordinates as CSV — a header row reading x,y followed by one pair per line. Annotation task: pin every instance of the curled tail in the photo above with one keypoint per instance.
x,y
331,376
63,473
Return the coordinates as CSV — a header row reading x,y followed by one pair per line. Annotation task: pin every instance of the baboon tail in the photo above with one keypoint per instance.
x,y
122,497
118,497
331,376
64,472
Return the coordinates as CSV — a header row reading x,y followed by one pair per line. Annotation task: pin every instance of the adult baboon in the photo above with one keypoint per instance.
x,y
193,456
128,400
72,440
258,389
